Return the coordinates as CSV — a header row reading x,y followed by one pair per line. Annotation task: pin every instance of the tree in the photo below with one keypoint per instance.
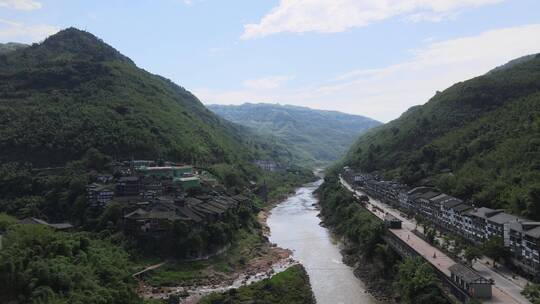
x,y
532,293
494,248
430,234
471,254
417,283
40,265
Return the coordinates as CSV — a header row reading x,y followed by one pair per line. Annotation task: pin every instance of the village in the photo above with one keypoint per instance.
x,y
519,235
450,215
154,197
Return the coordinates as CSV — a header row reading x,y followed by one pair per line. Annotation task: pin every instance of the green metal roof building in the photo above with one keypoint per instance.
x,y
188,182
169,171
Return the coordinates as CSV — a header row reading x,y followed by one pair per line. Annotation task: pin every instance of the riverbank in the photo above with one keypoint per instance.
x,y
412,279
365,270
251,258
380,288
290,286
360,243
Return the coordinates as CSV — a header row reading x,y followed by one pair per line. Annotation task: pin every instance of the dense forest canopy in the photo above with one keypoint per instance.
x,y
39,265
478,140
75,103
11,46
74,92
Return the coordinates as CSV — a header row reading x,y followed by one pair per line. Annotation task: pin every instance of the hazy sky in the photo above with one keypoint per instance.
x,y
371,57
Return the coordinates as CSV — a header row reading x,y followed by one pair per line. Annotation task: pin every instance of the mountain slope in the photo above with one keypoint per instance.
x,y
11,46
478,140
73,92
315,135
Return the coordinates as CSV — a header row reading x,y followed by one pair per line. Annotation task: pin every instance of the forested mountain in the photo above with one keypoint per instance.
x,y
73,104
11,46
478,140
74,92
69,108
315,135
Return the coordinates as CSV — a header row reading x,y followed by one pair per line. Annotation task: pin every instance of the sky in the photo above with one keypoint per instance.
x,y
374,58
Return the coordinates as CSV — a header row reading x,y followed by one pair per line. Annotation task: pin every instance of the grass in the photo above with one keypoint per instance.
x,y
247,245
291,286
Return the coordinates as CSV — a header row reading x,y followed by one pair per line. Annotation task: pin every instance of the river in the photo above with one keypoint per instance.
x,y
294,225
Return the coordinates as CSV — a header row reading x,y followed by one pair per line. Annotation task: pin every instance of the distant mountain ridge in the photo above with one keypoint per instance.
x,y
511,63
11,46
317,136
478,140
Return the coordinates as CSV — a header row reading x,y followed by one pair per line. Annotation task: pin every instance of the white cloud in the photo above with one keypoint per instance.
x,y
330,16
20,32
267,83
384,93
20,4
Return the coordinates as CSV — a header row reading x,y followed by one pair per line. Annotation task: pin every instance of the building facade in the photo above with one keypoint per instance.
x,y
477,225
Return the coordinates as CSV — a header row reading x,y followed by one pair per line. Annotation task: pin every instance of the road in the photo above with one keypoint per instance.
x,y
149,268
504,290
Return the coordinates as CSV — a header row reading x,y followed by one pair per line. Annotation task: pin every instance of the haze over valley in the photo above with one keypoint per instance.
x,y
292,151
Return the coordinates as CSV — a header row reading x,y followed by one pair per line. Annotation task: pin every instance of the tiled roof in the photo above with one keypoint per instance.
x,y
439,198
191,201
535,232
190,214
503,218
452,203
36,221
462,207
391,218
419,190
428,195
481,212
128,179
137,213
529,228
466,273
61,226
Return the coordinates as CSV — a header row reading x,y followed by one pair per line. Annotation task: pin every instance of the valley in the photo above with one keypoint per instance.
x,y
120,186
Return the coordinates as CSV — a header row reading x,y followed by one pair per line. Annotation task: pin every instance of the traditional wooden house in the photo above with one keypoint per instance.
x,y
55,226
154,222
98,195
128,186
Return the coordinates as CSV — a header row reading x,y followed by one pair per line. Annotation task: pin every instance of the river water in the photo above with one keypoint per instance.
x,y
294,225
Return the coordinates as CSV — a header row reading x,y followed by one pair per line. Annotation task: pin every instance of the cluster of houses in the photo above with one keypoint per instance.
x,y
476,224
142,179
154,196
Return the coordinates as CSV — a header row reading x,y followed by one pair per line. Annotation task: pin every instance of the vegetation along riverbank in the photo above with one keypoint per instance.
x,y
290,286
387,276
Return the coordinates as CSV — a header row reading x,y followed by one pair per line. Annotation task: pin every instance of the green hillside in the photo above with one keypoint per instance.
x,y
75,103
73,92
478,140
290,286
11,46
313,135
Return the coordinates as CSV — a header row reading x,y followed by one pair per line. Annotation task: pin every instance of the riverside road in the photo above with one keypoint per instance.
x,y
505,290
